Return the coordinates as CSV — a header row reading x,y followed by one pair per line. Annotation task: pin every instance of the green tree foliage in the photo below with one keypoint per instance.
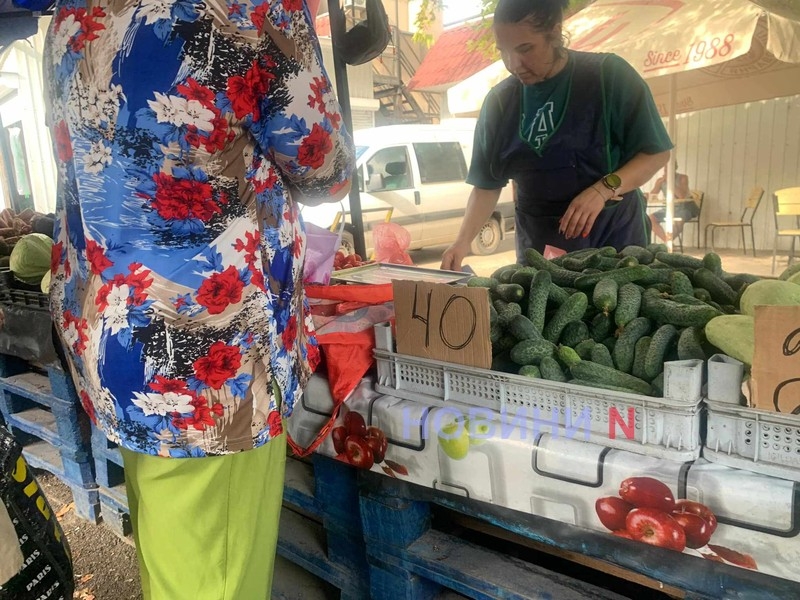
x,y
429,9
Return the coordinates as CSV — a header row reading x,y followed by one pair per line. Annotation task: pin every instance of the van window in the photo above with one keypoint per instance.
x,y
389,169
440,161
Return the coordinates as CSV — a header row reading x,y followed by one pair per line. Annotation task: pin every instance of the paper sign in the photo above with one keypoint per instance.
x,y
776,363
442,322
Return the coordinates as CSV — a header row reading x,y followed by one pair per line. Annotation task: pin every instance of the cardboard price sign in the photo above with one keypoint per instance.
x,y
442,322
776,363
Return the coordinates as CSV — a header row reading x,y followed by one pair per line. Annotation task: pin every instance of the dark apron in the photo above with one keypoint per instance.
x,y
574,158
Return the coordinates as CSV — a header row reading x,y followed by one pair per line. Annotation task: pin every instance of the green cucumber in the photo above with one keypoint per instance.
x,y
556,294
621,276
639,355
484,282
509,311
503,363
720,291
627,261
789,271
687,299
658,385
504,344
605,293
602,356
572,310
537,298
602,326
702,294
522,328
504,273
562,277
713,263
690,344
568,356
643,255
593,372
656,248
584,349
629,302
532,351
679,260
495,332
523,277
574,333
510,292
681,315
531,371
552,370
663,338
626,342
680,283
610,342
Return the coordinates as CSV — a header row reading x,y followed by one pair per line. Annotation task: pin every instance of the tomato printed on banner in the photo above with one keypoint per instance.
x,y
177,267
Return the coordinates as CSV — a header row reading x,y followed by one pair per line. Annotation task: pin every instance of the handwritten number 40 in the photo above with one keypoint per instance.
x,y
444,336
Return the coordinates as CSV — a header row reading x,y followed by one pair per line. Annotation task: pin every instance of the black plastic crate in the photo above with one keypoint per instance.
x,y
16,292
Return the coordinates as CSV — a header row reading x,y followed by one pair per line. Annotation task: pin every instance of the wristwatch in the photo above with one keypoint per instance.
x,y
612,181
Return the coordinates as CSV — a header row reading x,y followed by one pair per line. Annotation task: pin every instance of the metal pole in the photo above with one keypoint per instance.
x,y
670,202
336,14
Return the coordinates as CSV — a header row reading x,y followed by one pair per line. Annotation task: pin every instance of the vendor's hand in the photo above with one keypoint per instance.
x,y
452,257
581,213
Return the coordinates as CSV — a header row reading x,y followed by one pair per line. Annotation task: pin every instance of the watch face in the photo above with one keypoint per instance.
x,y
613,180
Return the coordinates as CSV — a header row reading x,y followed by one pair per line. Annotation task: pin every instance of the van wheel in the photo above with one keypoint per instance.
x,y
488,238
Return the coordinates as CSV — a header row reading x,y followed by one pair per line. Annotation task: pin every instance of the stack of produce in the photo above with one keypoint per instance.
x,y
604,319
13,226
30,261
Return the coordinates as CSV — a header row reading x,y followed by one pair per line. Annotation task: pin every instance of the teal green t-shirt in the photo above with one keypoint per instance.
x,y
633,122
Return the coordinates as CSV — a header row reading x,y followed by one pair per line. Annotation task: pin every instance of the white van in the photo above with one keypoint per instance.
x,y
417,172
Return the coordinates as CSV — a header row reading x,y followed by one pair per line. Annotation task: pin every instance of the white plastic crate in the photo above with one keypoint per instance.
x,y
756,440
663,427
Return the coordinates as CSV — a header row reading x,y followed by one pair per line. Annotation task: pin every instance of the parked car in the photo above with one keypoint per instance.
x,y
417,172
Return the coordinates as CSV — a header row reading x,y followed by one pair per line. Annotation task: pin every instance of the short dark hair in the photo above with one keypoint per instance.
x,y
543,15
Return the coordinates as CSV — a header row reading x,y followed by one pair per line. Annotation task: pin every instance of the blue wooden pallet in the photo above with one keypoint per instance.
x,y
321,526
410,561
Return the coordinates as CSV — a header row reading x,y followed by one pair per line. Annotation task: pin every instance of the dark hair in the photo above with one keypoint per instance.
x,y
543,15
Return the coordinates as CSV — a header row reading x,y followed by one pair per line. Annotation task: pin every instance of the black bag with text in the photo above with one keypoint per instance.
x,y
35,563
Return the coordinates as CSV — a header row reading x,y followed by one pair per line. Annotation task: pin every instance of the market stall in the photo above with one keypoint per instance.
x,y
655,452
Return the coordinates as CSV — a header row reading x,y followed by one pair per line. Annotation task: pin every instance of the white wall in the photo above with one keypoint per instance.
x,y
727,151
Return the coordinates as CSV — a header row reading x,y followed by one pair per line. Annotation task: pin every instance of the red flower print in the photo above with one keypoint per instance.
x,y
292,5
89,26
55,256
274,422
192,137
63,143
191,90
257,16
257,278
289,334
313,357
101,299
86,402
139,282
250,247
201,416
318,88
97,258
220,290
162,385
297,247
219,137
80,326
182,199
314,147
245,93
218,366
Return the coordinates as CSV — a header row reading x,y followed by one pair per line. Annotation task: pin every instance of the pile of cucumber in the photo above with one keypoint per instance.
x,y
605,319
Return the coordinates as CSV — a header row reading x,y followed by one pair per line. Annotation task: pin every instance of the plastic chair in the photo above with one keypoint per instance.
x,y
786,203
698,197
744,222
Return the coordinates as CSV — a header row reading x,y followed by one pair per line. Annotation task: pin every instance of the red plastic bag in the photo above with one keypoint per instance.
x,y
344,317
391,244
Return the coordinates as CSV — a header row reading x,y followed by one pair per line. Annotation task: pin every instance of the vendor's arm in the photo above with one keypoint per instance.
x,y
579,218
480,207
637,146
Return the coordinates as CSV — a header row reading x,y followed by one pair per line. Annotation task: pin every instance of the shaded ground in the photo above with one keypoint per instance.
x,y
105,565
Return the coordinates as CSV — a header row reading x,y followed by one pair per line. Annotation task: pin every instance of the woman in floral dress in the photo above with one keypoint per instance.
x,y
186,133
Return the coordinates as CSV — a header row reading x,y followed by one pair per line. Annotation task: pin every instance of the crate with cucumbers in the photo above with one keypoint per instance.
x,y
609,319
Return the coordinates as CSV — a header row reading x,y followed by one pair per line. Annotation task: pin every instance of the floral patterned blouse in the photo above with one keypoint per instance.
x,y
185,133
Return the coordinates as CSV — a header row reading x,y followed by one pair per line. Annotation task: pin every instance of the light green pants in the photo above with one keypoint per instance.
x,y
207,528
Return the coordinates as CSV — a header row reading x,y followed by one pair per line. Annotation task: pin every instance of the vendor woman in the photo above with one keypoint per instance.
x,y
577,132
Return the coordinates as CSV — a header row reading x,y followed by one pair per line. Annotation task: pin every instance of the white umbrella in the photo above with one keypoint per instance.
x,y
694,55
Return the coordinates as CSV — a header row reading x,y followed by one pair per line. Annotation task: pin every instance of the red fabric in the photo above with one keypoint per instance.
x,y
348,355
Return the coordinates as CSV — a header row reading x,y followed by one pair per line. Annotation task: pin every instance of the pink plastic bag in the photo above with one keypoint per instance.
x,y
321,247
391,243
551,252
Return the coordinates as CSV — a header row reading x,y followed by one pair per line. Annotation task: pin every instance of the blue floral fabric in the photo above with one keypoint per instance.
x,y
185,134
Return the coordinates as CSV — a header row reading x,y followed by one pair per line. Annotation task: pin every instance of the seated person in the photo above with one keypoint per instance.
x,y
685,208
